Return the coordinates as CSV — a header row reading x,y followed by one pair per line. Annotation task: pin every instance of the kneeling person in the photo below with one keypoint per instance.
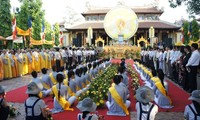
x,y
117,103
35,107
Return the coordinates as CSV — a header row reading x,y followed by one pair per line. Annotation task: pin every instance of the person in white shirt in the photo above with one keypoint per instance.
x,y
167,61
79,55
192,111
171,54
154,58
142,55
164,61
160,59
35,107
58,58
86,106
192,67
146,110
63,55
174,61
70,56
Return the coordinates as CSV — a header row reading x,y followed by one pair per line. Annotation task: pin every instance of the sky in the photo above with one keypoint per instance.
x,y
55,9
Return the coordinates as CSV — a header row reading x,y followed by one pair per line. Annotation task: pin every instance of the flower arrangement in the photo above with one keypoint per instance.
x,y
98,89
135,80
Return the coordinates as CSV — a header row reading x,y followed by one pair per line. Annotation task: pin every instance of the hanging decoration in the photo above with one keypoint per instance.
x,y
40,42
23,32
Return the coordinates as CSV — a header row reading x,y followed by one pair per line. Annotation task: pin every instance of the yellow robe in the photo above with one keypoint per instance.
x,y
1,69
53,61
20,65
36,63
14,67
48,61
25,64
42,61
30,67
7,67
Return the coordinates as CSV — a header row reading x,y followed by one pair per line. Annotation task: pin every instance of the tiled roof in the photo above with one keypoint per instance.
x,y
138,10
142,25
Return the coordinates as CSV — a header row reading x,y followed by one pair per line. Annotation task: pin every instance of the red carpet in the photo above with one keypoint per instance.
x,y
17,95
179,98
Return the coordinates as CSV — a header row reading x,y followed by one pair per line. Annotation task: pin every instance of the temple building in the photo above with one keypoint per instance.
x,y
165,32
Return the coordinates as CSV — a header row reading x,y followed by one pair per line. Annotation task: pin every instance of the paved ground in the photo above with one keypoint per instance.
x,y
24,80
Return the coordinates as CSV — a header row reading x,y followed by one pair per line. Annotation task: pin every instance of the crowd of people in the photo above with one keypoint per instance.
x,y
156,89
15,63
179,63
73,70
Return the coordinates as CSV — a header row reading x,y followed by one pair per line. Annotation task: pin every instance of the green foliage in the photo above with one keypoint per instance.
x,y
37,16
22,19
195,30
32,9
48,34
192,5
5,19
22,15
185,32
56,32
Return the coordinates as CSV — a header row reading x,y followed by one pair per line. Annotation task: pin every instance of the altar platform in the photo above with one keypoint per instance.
x,y
119,51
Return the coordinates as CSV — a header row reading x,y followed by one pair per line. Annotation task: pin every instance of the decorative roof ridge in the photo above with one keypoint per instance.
x,y
169,23
148,20
132,7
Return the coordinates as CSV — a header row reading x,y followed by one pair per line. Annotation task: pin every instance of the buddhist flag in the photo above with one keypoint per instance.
x,y
14,29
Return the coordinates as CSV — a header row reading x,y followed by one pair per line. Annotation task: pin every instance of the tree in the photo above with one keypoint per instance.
x,y
195,30
71,17
185,32
31,9
5,19
56,32
48,34
22,17
37,16
192,5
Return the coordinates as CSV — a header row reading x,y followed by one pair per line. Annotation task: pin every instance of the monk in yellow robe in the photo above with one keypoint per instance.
x,y
48,60
42,59
19,57
6,66
51,53
25,63
36,61
30,60
14,66
1,69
